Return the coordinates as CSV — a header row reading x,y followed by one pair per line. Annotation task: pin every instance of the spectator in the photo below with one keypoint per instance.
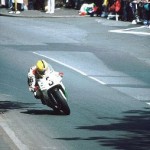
x,y
38,4
9,4
16,6
50,6
114,8
126,11
3,3
104,9
146,13
124,4
135,11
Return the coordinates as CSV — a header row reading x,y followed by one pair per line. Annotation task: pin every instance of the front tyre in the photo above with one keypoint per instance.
x,y
61,99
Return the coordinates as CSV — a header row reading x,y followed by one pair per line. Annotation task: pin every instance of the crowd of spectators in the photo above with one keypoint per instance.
x,y
135,11
20,5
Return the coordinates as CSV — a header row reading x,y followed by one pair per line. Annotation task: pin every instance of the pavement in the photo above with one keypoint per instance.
x,y
59,12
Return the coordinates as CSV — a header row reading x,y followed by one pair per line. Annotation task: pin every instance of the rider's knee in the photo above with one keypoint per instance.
x,y
38,94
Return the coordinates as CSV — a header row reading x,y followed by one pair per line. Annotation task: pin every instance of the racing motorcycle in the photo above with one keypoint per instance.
x,y
54,93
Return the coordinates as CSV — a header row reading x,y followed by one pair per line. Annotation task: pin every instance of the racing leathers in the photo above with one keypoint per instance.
x,y
33,77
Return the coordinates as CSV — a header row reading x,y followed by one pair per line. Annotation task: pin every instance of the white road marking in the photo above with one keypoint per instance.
x,y
77,70
70,67
99,81
6,128
12,135
148,103
130,31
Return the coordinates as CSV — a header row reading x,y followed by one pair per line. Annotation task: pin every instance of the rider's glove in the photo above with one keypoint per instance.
x,y
36,88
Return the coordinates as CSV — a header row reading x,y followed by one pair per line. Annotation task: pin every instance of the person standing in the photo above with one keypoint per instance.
x,y
146,13
16,6
51,6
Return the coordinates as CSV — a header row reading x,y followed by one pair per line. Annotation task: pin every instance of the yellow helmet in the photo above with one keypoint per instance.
x,y
41,66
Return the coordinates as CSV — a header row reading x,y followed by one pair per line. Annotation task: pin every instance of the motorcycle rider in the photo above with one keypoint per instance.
x,y
40,70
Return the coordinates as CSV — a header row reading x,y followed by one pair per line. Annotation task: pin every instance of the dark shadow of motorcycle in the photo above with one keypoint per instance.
x,y
43,112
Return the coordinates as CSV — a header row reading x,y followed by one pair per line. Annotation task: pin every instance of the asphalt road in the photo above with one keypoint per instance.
x,y
106,73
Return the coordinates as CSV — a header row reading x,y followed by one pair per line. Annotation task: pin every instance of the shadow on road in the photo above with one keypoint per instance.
x,y
132,132
8,105
42,112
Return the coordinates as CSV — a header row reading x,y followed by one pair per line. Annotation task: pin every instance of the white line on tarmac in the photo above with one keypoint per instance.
x,y
70,67
128,31
12,136
133,28
148,103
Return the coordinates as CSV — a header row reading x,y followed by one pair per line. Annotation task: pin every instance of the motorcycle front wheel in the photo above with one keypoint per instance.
x,y
61,100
